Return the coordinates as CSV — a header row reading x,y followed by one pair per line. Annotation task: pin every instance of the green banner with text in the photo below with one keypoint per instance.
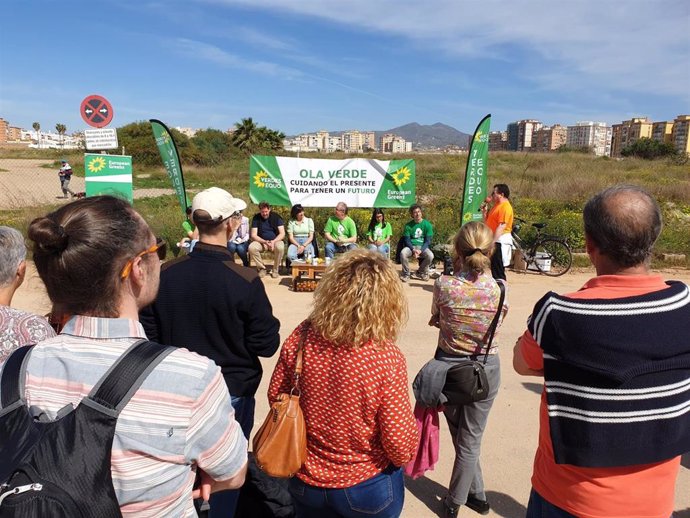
x,y
475,189
316,182
108,174
171,160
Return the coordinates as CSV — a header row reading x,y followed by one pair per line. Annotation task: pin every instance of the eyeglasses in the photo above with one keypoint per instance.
x,y
340,210
236,214
159,248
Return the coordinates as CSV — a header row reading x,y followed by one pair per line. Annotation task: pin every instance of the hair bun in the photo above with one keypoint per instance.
x,y
48,235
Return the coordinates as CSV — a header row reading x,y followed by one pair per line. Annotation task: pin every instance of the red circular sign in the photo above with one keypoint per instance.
x,y
96,111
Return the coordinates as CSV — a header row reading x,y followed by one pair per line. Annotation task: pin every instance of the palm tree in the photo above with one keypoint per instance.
x,y
37,128
244,132
61,129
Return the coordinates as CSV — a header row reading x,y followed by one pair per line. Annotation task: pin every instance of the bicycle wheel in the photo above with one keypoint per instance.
x,y
553,257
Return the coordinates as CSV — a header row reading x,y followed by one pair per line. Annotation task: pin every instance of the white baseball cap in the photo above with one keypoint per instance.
x,y
218,203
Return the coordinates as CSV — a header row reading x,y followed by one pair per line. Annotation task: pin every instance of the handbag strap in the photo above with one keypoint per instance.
x,y
494,322
298,362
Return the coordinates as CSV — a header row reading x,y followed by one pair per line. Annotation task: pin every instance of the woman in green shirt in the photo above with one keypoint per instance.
x,y
300,231
379,233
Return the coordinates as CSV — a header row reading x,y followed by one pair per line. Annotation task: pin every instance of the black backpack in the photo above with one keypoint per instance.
x,y
61,468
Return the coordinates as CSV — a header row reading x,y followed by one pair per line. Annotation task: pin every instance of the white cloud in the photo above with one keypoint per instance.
x,y
620,44
207,52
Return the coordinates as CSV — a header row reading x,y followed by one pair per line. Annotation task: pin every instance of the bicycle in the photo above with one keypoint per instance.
x,y
548,254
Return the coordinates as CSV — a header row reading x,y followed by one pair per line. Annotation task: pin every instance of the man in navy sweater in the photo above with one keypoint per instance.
x,y
216,308
615,358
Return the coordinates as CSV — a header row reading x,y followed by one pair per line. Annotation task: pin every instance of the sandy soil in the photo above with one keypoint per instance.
x,y
23,182
511,436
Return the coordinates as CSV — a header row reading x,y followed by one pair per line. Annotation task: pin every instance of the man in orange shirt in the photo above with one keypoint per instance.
x,y
500,220
615,410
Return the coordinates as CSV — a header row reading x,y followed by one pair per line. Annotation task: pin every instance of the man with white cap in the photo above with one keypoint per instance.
x,y
219,309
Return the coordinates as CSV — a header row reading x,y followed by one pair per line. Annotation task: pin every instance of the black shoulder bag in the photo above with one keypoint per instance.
x,y
466,382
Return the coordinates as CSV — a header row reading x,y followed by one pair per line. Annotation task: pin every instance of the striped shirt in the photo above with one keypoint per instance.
x,y
180,417
643,490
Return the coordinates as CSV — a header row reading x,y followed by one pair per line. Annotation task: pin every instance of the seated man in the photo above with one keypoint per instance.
x,y
417,238
268,231
340,232
17,327
239,241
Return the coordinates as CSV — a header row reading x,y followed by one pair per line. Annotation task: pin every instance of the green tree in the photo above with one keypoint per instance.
x,y
61,129
649,149
37,128
251,138
244,134
214,146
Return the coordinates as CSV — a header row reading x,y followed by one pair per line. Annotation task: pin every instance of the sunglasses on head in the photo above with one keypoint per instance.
x,y
160,249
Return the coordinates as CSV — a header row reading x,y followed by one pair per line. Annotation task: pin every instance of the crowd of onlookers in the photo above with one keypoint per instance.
x,y
614,357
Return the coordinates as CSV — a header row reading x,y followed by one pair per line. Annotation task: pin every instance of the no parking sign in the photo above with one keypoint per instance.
x,y
96,111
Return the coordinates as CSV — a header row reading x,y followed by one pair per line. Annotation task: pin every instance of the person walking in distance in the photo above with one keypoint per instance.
x,y
65,175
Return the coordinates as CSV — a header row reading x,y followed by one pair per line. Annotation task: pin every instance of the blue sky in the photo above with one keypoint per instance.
x,y
304,65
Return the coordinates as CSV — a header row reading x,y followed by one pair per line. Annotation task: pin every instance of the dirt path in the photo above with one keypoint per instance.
x,y
511,436
28,183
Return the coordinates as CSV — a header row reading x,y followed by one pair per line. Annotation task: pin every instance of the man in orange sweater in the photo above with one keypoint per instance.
x,y
616,365
500,220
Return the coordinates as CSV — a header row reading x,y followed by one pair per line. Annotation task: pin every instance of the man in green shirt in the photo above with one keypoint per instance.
x,y
417,238
340,232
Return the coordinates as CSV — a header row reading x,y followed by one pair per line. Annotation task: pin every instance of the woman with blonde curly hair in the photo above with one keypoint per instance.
x,y
354,392
463,308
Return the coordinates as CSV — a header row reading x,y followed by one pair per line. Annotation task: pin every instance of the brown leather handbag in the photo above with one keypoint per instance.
x,y
280,445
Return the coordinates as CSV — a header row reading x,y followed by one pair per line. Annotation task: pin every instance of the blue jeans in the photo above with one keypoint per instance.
x,y
384,249
538,507
241,250
332,248
382,496
223,503
292,249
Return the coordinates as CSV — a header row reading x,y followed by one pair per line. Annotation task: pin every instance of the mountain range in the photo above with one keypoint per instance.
x,y
425,136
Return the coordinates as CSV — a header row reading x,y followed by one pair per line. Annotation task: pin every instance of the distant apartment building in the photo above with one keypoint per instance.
x,y
391,143
520,134
498,141
512,130
628,132
370,141
14,134
593,135
353,141
680,136
187,132
308,142
334,143
322,140
547,139
4,129
662,132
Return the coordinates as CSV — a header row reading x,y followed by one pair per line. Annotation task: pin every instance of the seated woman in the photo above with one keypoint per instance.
x,y
379,233
354,392
300,231
463,308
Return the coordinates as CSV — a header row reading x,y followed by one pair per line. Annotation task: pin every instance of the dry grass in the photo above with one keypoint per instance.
x,y
545,187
